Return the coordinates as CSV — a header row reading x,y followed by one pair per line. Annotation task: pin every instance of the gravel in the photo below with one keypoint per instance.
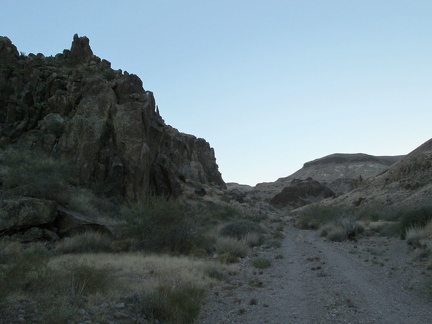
x,y
313,280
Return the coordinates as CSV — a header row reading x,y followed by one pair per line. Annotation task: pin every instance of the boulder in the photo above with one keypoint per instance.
x,y
70,223
300,193
20,214
35,234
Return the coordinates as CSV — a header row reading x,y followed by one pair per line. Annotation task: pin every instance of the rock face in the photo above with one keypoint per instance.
x,y
75,107
300,193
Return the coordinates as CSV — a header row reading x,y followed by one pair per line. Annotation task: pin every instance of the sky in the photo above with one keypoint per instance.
x,y
269,84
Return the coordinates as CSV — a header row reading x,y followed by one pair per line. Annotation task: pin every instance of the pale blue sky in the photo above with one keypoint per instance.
x,y
270,84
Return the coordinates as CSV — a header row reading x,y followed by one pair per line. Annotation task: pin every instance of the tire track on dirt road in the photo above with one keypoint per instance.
x,y
318,281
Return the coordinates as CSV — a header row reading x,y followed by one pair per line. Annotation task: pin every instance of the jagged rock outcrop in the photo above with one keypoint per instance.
x,y
300,193
75,107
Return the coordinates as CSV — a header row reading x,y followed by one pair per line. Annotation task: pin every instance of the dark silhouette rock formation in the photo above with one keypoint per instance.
x,y
74,106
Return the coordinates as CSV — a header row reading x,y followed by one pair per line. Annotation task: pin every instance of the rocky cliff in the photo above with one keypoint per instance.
x,y
74,106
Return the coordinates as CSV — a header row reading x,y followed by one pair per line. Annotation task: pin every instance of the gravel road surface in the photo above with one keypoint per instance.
x,y
313,280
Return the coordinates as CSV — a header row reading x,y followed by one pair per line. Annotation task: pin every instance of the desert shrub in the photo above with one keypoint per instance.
x,y
261,263
314,216
93,205
369,215
215,271
334,232
413,235
211,214
252,239
180,304
239,229
278,235
414,218
161,225
420,236
231,246
21,272
85,243
390,229
34,174
86,280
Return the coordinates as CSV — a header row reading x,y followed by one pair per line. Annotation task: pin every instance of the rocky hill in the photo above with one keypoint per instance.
x,y
74,106
339,172
406,183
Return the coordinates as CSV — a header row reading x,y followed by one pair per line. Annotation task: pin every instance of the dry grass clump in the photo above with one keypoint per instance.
x,y
85,243
230,248
252,239
169,304
415,218
240,228
418,236
334,232
58,292
315,216
383,228
261,263
164,288
167,289
150,269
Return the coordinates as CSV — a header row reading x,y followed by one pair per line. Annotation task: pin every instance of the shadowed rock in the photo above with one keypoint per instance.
x,y
301,193
74,106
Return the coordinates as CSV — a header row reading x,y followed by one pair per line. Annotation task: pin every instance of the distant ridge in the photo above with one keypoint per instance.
x,y
339,171
408,182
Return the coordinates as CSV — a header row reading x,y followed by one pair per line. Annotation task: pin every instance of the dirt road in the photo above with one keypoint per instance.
x,y
316,281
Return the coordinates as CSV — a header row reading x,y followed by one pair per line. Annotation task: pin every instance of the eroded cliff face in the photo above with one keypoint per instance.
x,y
75,106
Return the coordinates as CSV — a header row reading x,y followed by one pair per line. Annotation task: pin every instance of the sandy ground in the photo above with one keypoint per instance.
x,y
313,280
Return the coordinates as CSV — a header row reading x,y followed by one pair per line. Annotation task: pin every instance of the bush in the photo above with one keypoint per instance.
x,y
334,232
239,229
179,304
415,218
261,263
24,271
253,239
314,216
231,246
34,174
420,236
161,225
